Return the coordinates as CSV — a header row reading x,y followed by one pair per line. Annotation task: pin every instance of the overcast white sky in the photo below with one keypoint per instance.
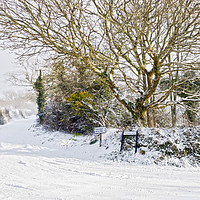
x,y
7,65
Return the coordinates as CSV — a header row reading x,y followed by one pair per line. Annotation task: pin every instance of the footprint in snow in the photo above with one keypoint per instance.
x,y
22,163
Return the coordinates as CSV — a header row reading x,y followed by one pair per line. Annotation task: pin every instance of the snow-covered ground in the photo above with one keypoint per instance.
x,y
35,165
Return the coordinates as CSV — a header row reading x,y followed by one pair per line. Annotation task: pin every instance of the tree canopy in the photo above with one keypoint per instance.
x,y
130,44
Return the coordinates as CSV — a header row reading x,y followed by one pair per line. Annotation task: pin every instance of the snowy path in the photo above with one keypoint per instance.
x,y
30,170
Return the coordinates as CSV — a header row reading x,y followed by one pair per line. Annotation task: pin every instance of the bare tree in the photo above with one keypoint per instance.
x,y
127,43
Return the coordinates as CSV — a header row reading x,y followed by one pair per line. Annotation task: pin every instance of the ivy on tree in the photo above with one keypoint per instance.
x,y
39,87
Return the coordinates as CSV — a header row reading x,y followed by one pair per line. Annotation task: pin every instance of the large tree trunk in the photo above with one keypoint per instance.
x,y
173,110
151,116
140,111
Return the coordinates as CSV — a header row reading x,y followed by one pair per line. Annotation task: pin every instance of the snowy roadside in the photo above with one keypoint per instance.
x,y
87,147
36,165
156,146
10,114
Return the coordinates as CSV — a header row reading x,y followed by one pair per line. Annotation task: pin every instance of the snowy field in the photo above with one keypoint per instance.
x,y
38,166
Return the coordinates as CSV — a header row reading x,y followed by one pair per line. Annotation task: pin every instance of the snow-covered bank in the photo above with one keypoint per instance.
x,y
9,114
178,147
16,105
39,166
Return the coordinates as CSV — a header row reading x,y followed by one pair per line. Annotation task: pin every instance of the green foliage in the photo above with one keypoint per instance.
x,y
77,134
39,87
78,100
93,141
81,102
155,69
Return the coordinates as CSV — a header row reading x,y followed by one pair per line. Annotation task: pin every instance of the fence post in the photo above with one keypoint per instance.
x,y
100,139
136,141
122,141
